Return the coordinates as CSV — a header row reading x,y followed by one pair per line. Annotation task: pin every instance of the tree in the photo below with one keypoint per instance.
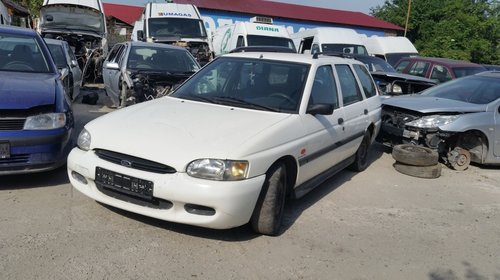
x,y
458,29
32,5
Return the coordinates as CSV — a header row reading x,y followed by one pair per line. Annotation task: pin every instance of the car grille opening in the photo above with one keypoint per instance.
x,y
156,203
134,162
12,123
15,159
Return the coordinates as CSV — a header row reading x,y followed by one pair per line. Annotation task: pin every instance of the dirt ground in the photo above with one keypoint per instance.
x,y
378,224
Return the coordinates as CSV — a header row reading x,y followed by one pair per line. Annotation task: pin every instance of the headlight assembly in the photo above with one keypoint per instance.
x,y
432,121
45,121
397,89
218,169
84,140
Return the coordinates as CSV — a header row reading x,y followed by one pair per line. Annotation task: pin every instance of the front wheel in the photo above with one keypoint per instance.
x,y
268,213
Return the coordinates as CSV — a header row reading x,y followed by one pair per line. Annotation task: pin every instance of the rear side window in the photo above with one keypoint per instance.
x,y
366,81
419,68
348,85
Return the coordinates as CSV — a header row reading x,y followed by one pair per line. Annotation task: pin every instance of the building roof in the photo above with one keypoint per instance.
x,y
125,13
18,9
292,11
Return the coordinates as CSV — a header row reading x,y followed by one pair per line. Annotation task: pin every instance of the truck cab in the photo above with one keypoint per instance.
x,y
329,39
175,24
258,32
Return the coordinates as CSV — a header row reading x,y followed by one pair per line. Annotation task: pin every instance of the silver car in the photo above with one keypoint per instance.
x,y
460,119
135,72
64,58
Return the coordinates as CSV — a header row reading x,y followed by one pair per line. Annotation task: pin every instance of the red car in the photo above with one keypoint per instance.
x,y
439,69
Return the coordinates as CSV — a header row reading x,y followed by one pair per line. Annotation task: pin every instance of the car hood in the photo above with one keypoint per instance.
x,y
176,131
401,76
429,104
26,90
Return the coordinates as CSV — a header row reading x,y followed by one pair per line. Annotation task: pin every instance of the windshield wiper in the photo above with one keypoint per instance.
x,y
199,98
243,103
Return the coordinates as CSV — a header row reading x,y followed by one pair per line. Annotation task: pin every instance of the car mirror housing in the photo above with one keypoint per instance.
x,y
320,109
112,66
74,63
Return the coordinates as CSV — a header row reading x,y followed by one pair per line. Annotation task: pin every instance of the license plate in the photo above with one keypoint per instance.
x,y
124,183
4,150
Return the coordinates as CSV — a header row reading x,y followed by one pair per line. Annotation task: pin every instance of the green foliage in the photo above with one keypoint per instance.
x,y
458,29
32,5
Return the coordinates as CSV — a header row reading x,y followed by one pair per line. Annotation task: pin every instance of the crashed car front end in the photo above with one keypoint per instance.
x,y
400,84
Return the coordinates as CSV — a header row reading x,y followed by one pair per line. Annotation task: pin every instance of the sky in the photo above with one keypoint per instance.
x,y
348,5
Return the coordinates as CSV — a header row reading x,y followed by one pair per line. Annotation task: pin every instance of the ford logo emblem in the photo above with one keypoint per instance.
x,y
126,163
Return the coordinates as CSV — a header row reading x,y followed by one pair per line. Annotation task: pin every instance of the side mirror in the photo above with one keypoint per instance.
x,y
320,109
63,72
74,63
140,35
112,66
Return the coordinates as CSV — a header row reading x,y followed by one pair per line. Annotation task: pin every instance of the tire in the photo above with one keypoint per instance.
x,y
415,155
268,213
427,172
361,161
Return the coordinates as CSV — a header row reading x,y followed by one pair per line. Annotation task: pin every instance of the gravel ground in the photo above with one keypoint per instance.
x,y
378,224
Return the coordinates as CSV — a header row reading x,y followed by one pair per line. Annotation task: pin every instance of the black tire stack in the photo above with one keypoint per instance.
x,y
416,161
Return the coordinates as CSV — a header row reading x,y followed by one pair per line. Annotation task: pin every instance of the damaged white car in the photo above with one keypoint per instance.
x,y
460,119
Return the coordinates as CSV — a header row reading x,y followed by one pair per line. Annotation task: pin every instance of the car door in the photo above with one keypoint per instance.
x,y
111,76
355,108
325,133
75,70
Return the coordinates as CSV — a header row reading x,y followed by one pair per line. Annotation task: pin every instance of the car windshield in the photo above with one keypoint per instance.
x,y
161,59
176,27
344,48
466,71
21,54
248,83
257,40
57,53
471,89
375,64
393,58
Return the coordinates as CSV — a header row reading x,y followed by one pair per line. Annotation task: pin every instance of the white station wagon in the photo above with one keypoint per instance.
x,y
233,142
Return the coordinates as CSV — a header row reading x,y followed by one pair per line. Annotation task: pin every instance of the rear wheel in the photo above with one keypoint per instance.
x,y
361,161
268,213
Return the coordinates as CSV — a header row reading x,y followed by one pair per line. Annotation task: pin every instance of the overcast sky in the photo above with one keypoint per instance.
x,y
349,5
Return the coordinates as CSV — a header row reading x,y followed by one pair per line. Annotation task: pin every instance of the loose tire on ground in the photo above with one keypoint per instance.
x,y
361,161
268,213
415,155
427,172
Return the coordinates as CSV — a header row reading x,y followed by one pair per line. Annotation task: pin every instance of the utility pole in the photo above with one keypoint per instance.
x,y
407,16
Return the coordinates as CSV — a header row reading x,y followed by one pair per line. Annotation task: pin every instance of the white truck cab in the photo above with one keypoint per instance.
x,y
174,24
390,48
329,39
258,32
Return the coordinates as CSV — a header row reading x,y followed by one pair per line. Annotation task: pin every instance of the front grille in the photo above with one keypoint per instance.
x,y
134,162
15,159
12,123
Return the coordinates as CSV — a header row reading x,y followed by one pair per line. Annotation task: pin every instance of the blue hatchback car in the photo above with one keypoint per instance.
x,y
36,120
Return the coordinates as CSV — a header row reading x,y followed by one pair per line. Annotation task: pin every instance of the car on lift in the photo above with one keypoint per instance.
x,y
460,119
36,120
229,145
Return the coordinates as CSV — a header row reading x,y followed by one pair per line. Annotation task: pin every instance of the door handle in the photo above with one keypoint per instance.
x,y
341,121
365,111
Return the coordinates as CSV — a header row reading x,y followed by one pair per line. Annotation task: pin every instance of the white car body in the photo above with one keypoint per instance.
x,y
390,48
175,131
329,39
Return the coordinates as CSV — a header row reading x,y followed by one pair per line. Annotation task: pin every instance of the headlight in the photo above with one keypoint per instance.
x,y
218,169
84,140
432,121
397,89
45,121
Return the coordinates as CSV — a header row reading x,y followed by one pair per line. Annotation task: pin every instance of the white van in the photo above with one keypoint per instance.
x,y
258,32
4,15
175,24
83,25
390,48
329,39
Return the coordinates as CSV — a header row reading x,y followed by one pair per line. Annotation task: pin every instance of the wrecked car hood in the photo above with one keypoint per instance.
x,y
72,19
430,104
401,76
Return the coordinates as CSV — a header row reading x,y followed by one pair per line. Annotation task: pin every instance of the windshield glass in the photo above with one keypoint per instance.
x,y
471,89
161,59
248,83
21,54
393,58
176,27
344,48
375,64
257,40
72,17
58,55
466,71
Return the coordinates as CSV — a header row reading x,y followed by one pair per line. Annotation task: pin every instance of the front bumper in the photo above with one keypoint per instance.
x,y
35,151
232,201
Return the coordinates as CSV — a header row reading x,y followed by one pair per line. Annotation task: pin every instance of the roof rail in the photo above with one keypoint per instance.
x,y
338,54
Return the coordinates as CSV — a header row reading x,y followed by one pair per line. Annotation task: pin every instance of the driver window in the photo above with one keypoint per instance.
x,y
324,90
